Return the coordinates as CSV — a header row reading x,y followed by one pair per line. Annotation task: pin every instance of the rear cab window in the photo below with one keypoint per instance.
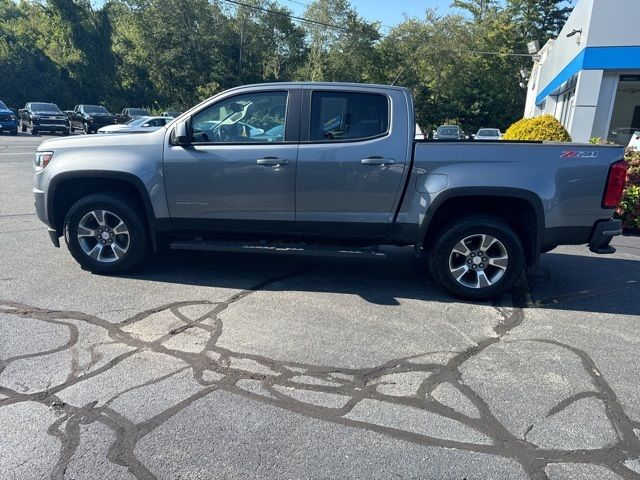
x,y
348,116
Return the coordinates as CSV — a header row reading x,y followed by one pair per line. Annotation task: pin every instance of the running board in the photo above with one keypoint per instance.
x,y
300,249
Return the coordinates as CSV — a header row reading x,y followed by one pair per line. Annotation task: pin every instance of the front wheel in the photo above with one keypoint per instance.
x,y
105,233
477,258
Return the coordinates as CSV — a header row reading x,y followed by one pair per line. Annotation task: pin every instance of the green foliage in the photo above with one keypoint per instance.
x,y
629,209
544,127
161,53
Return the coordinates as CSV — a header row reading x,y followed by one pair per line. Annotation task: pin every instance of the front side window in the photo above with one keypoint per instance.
x,y
251,118
337,116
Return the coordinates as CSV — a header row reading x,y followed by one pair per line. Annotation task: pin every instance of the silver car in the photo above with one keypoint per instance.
x,y
138,125
488,134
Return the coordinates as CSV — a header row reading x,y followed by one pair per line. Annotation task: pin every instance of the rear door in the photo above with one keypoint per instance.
x,y
352,160
239,173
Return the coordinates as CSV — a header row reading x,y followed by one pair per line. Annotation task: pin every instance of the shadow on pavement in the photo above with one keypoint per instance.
x,y
563,281
599,284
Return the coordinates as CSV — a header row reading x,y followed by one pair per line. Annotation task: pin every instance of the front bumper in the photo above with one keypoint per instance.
x,y
41,212
8,127
603,232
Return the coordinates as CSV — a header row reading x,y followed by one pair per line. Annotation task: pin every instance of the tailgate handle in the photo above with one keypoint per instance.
x,y
377,161
272,161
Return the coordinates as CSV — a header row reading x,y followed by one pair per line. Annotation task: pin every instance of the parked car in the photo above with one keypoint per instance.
x,y
448,132
172,114
43,117
488,134
129,114
634,143
137,125
90,118
478,211
8,120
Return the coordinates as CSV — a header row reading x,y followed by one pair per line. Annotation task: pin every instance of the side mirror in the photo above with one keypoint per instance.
x,y
180,136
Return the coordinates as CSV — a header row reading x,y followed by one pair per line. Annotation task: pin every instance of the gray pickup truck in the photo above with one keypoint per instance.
x,y
326,169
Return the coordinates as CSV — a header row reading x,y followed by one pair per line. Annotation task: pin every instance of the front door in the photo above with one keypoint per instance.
x,y
239,172
350,167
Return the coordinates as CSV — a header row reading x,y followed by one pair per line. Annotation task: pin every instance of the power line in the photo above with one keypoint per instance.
x,y
337,27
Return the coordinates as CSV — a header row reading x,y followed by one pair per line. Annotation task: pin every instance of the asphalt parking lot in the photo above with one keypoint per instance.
x,y
207,365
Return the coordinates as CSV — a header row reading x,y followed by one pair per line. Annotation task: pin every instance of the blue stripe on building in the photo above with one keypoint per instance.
x,y
594,58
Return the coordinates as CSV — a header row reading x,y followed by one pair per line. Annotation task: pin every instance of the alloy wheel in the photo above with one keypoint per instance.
x,y
478,261
103,236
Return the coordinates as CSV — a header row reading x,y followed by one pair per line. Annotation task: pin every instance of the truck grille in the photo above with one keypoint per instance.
x,y
51,121
5,117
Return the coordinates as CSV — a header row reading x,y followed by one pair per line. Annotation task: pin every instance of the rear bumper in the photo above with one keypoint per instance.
x,y
603,232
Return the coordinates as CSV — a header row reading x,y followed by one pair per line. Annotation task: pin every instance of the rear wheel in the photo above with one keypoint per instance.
x,y
105,233
477,258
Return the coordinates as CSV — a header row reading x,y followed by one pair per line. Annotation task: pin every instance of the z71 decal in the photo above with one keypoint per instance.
x,y
579,154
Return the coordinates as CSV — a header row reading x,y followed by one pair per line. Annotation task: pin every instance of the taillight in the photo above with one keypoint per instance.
x,y
615,184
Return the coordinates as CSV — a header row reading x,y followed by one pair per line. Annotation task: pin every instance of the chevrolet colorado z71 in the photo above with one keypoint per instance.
x,y
327,169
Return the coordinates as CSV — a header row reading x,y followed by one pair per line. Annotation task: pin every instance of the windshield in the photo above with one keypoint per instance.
x,y
137,121
95,109
3,106
44,107
448,131
138,111
488,132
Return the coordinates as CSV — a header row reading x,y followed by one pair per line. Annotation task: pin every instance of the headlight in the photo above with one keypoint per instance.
x,y
41,160
12,117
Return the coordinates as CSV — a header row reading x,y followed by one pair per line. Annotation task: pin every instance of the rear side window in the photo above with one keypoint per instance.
x,y
337,116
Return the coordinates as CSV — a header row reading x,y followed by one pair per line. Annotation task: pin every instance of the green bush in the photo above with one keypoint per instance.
x,y
629,209
545,127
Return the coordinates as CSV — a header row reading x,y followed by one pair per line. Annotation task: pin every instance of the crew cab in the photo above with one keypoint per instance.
x,y
43,117
90,118
8,120
326,169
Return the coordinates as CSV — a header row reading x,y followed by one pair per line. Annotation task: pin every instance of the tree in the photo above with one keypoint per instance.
x,y
539,19
341,43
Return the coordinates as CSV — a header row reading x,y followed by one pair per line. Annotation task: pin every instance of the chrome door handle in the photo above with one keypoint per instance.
x,y
377,161
272,162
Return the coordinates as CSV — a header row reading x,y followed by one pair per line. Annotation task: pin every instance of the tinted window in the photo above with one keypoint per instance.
x,y
3,106
156,122
44,107
348,116
448,131
95,109
251,118
138,111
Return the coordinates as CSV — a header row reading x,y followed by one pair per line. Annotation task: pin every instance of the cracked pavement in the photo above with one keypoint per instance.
x,y
207,365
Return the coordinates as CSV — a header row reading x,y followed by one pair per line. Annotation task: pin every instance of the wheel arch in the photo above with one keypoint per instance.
x,y
66,188
519,208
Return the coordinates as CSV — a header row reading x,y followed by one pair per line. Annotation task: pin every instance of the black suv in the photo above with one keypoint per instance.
x,y
89,118
43,117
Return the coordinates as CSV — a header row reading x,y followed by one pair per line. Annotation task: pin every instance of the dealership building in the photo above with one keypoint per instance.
x,y
589,77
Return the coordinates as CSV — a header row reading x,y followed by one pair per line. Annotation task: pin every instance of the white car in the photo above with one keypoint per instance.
x,y
634,143
137,125
488,134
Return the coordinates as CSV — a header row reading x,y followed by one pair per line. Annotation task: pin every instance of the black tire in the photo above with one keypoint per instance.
x,y
71,129
65,133
124,208
442,251
85,129
34,131
14,133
